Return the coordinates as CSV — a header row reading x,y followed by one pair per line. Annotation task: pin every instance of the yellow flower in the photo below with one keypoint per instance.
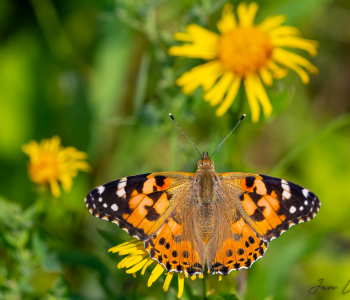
x,y
49,163
139,259
242,52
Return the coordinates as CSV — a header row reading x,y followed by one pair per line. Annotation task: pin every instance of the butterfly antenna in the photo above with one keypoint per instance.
x,y
228,135
172,117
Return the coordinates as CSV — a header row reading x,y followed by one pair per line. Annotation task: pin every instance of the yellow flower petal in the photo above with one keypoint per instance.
x,y
230,97
272,22
246,14
181,282
206,75
146,266
193,51
55,189
67,182
252,99
183,37
284,31
204,44
216,94
296,42
266,76
220,277
201,276
138,266
228,20
289,56
193,277
167,281
284,60
278,72
125,261
157,271
136,259
137,250
133,243
262,96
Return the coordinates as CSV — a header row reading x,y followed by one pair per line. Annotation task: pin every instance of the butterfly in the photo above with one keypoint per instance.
x,y
189,220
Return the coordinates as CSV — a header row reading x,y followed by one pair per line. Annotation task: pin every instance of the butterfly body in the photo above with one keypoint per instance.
x,y
187,220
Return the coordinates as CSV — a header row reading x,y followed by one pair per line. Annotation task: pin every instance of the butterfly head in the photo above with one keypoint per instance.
x,y
205,162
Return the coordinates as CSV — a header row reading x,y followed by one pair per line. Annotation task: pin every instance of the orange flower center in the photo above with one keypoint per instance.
x,y
45,169
244,50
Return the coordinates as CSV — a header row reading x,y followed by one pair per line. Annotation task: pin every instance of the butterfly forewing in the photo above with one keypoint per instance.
x,y
138,204
272,204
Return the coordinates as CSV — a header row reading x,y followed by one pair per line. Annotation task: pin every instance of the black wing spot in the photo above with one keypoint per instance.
x,y
249,181
251,240
155,196
159,180
152,214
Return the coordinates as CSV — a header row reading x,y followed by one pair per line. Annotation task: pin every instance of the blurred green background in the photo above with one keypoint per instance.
x,y
96,73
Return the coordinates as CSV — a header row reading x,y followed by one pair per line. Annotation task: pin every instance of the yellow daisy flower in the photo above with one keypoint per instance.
x,y
242,52
139,259
50,163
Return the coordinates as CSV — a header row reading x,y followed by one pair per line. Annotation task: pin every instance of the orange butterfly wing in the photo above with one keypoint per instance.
x,y
155,208
255,209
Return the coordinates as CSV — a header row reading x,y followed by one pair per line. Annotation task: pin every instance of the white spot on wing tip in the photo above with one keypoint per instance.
x,y
285,185
101,189
292,209
105,205
305,192
122,183
121,192
114,207
286,194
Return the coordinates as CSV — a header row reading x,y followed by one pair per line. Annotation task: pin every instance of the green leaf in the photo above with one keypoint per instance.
x,y
320,134
83,259
222,296
41,251
17,239
280,98
109,237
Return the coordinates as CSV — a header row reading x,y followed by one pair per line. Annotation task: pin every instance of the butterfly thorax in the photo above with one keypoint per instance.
x,y
205,178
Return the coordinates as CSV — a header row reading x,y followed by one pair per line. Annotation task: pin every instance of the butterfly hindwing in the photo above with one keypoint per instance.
x,y
138,204
238,248
176,246
234,244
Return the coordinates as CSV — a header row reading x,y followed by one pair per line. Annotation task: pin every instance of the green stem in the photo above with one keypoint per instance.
x,y
206,285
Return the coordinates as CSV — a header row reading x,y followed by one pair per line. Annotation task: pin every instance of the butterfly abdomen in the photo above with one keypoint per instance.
x,y
205,215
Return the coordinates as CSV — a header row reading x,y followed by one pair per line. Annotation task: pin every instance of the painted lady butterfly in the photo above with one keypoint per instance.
x,y
186,220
